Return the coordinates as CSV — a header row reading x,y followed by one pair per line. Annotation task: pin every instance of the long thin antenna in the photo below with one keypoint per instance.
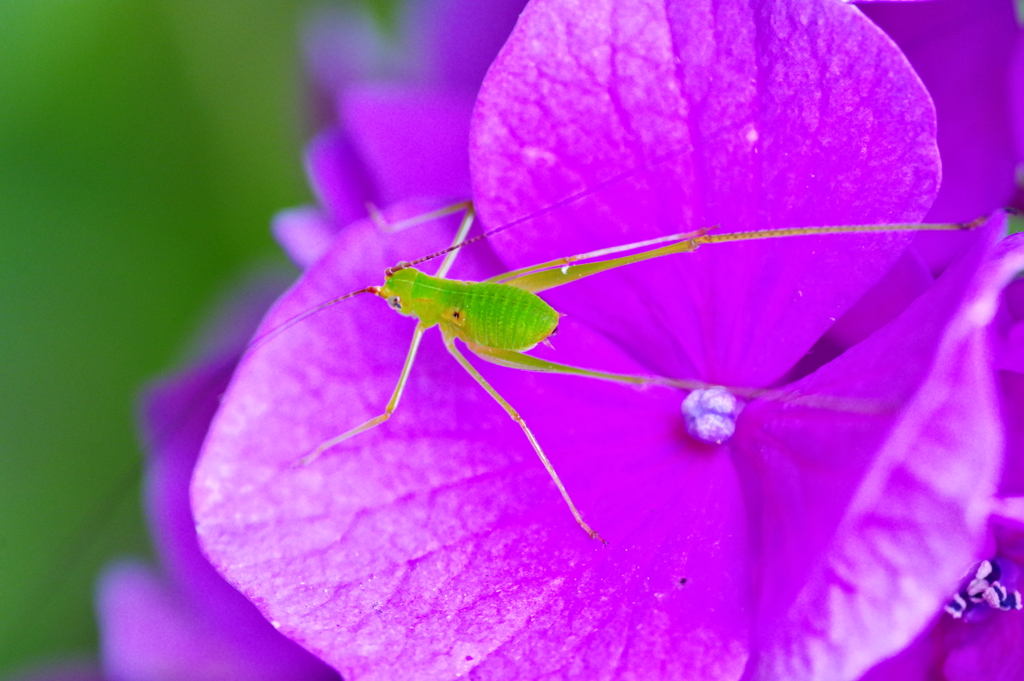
x,y
299,317
444,251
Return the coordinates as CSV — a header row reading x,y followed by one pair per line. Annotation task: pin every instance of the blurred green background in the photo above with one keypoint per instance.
x,y
144,146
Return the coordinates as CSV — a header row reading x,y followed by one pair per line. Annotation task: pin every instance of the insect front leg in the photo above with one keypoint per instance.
x,y
449,342
392,404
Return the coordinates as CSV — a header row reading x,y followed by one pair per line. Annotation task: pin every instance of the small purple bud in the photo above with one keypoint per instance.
x,y
710,414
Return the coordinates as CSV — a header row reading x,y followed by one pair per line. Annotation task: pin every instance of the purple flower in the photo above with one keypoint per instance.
x,y
396,126
817,540
981,638
965,52
185,621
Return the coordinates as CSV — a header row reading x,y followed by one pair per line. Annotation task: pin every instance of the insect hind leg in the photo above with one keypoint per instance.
x,y
392,404
449,342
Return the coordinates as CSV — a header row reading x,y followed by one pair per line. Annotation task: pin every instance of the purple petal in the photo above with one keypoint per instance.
x,y
991,648
867,519
201,612
885,301
962,51
1015,300
338,177
633,119
177,412
882,303
953,650
1008,338
436,544
919,661
152,632
460,38
1008,353
989,652
343,45
1011,385
304,233
1017,96
413,142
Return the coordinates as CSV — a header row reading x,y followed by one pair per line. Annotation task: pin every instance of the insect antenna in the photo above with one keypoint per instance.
x,y
257,342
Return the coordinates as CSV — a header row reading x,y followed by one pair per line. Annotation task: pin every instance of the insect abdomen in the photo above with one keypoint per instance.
x,y
501,316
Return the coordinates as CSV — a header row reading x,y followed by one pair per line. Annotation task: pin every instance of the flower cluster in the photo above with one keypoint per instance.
x,y
873,482
854,494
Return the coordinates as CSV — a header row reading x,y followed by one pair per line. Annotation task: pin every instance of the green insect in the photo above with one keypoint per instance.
x,y
501,318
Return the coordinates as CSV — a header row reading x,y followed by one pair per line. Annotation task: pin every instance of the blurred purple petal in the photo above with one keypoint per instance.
x,y
1015,300
993,654
460,37
1008,350
177,412
340,180
191,624
1008,342
1017,96
401,125
235,313
343,45
413,141
304,233
201,609
652,118
149,632
919,661
152,631
1012,391
962,51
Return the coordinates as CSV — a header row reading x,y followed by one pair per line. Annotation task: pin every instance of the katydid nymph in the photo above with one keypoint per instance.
x,y
501,318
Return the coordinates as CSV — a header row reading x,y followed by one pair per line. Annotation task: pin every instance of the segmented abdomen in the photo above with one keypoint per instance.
x,y
501,316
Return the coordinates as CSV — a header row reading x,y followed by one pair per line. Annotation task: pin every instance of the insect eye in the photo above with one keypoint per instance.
x,y
395,303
